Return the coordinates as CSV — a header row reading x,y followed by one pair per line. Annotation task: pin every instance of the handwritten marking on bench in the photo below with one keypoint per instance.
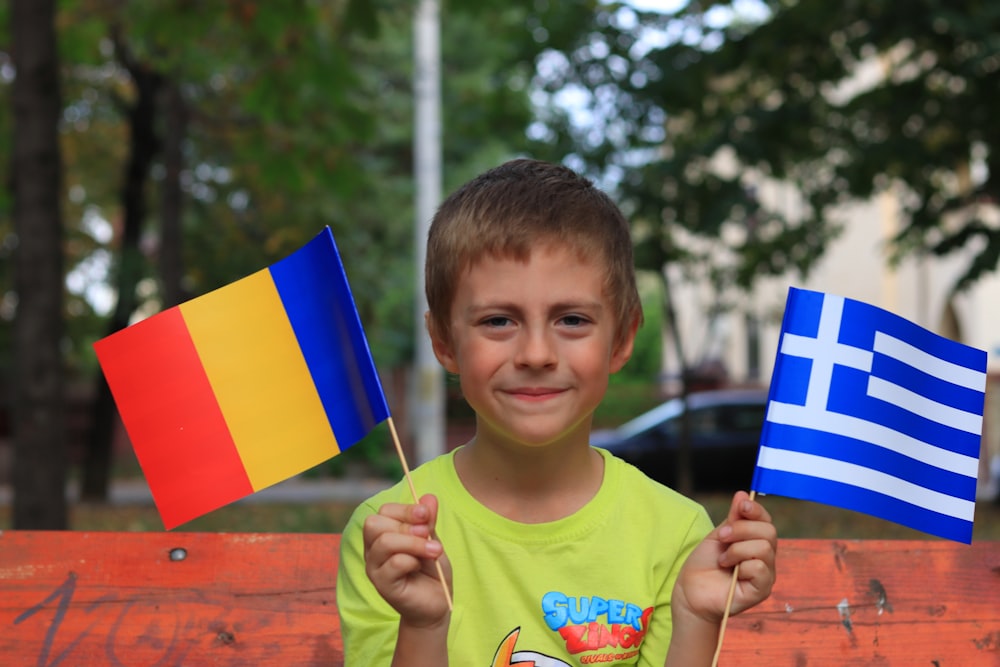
x,y
62,596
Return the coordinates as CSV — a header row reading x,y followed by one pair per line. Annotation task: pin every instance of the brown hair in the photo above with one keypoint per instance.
x,y
512,208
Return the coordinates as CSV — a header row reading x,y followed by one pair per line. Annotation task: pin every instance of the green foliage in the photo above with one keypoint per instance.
x,y
636,388
645,364
298,115
626,399
841,100
375,455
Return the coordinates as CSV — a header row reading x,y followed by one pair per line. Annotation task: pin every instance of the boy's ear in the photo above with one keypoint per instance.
x,y
441,345
622,351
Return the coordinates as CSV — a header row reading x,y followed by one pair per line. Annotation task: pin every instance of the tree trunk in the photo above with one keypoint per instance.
x,y
144,146
171,198
39,469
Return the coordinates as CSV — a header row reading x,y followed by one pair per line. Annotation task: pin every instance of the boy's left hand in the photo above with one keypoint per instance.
x,y
746,538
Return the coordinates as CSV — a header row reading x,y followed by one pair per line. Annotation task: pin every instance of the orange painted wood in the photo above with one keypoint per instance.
x,y
886,603
168,599
120,599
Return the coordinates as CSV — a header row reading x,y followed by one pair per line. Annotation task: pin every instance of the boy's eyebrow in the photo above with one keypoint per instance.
x,y
557,306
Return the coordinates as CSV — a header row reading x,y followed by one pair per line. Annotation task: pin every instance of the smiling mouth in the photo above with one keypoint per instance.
x,y
535,394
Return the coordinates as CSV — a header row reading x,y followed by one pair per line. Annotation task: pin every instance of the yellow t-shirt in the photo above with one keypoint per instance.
x,y
591,588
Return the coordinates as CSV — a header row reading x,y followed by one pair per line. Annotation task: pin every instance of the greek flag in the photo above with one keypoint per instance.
x,y
869,412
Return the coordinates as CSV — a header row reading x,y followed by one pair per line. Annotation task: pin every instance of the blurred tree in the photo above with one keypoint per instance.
x,y
7,233
687,112
265,102
39,470
246,126
841,100
144,148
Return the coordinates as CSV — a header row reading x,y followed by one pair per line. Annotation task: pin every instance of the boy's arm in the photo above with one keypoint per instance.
x,y
747,538
400,561
372,629
422,646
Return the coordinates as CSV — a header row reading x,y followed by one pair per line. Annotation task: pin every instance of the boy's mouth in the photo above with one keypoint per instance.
x,y
535,393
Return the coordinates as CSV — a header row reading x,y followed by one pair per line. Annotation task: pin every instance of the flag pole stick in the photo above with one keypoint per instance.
x,y
413,492
729,604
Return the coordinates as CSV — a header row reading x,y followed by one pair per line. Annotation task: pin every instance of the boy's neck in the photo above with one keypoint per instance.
x,y
530,484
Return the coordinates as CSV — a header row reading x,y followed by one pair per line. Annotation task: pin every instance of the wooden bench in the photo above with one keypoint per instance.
x,y
171,599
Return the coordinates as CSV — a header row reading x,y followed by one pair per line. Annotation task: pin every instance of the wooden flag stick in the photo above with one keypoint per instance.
x,y
413,491
729,604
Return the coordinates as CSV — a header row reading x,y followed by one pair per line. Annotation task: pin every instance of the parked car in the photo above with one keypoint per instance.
x,y
724,429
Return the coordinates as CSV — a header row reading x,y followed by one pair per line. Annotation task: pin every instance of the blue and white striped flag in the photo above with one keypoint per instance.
x,y
870,412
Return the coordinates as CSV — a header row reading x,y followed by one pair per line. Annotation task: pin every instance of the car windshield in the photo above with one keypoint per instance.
x,y
647,420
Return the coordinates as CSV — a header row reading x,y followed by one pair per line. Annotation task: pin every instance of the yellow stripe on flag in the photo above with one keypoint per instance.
x,y
260,379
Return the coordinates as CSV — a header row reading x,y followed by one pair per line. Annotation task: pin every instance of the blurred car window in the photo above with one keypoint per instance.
x,y
661,414
723,429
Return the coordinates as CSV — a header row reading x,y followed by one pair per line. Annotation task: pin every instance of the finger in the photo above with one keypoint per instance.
x,y
743,507
756,582
747,519
430,503
386,545
396,559
412,513
757,573
737,553
376,526
748,529
393,572
753,509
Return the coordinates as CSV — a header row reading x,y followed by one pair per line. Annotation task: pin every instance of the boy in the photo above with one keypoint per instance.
x,y
557,552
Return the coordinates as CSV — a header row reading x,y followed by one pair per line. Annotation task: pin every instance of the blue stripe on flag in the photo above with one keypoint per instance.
x,y
847,396
871,412
942,391
868,502
862,320
868,455
317,297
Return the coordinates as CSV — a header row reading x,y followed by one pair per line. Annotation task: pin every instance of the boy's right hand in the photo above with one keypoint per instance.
x,y
400,561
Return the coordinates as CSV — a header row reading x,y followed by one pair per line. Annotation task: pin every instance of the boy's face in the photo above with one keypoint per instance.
x,y
533,344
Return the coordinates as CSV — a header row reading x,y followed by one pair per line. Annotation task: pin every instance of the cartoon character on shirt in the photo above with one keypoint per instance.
x,y
507,657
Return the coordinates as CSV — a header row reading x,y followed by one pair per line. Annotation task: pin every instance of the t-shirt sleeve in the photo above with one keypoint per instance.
x,y
368,623
654,649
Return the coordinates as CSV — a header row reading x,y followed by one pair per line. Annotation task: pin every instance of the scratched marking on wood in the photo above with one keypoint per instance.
x,y
892,602
168,599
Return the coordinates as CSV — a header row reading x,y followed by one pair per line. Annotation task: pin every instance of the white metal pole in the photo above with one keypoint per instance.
x,y
427,411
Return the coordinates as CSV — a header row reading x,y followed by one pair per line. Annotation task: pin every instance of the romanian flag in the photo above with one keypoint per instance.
x,y
247,385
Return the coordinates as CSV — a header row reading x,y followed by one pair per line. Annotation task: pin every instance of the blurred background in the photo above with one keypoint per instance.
x,y
158,150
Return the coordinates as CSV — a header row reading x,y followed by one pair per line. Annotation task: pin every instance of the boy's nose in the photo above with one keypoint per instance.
x,y
536,349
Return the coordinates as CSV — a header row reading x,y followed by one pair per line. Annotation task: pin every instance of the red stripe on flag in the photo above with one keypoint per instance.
x,y
172,417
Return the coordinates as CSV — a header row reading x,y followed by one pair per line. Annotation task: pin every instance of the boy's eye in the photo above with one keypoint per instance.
x,y
574,320
496,321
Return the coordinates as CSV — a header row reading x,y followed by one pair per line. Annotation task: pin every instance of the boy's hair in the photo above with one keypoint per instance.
x,y
515,207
